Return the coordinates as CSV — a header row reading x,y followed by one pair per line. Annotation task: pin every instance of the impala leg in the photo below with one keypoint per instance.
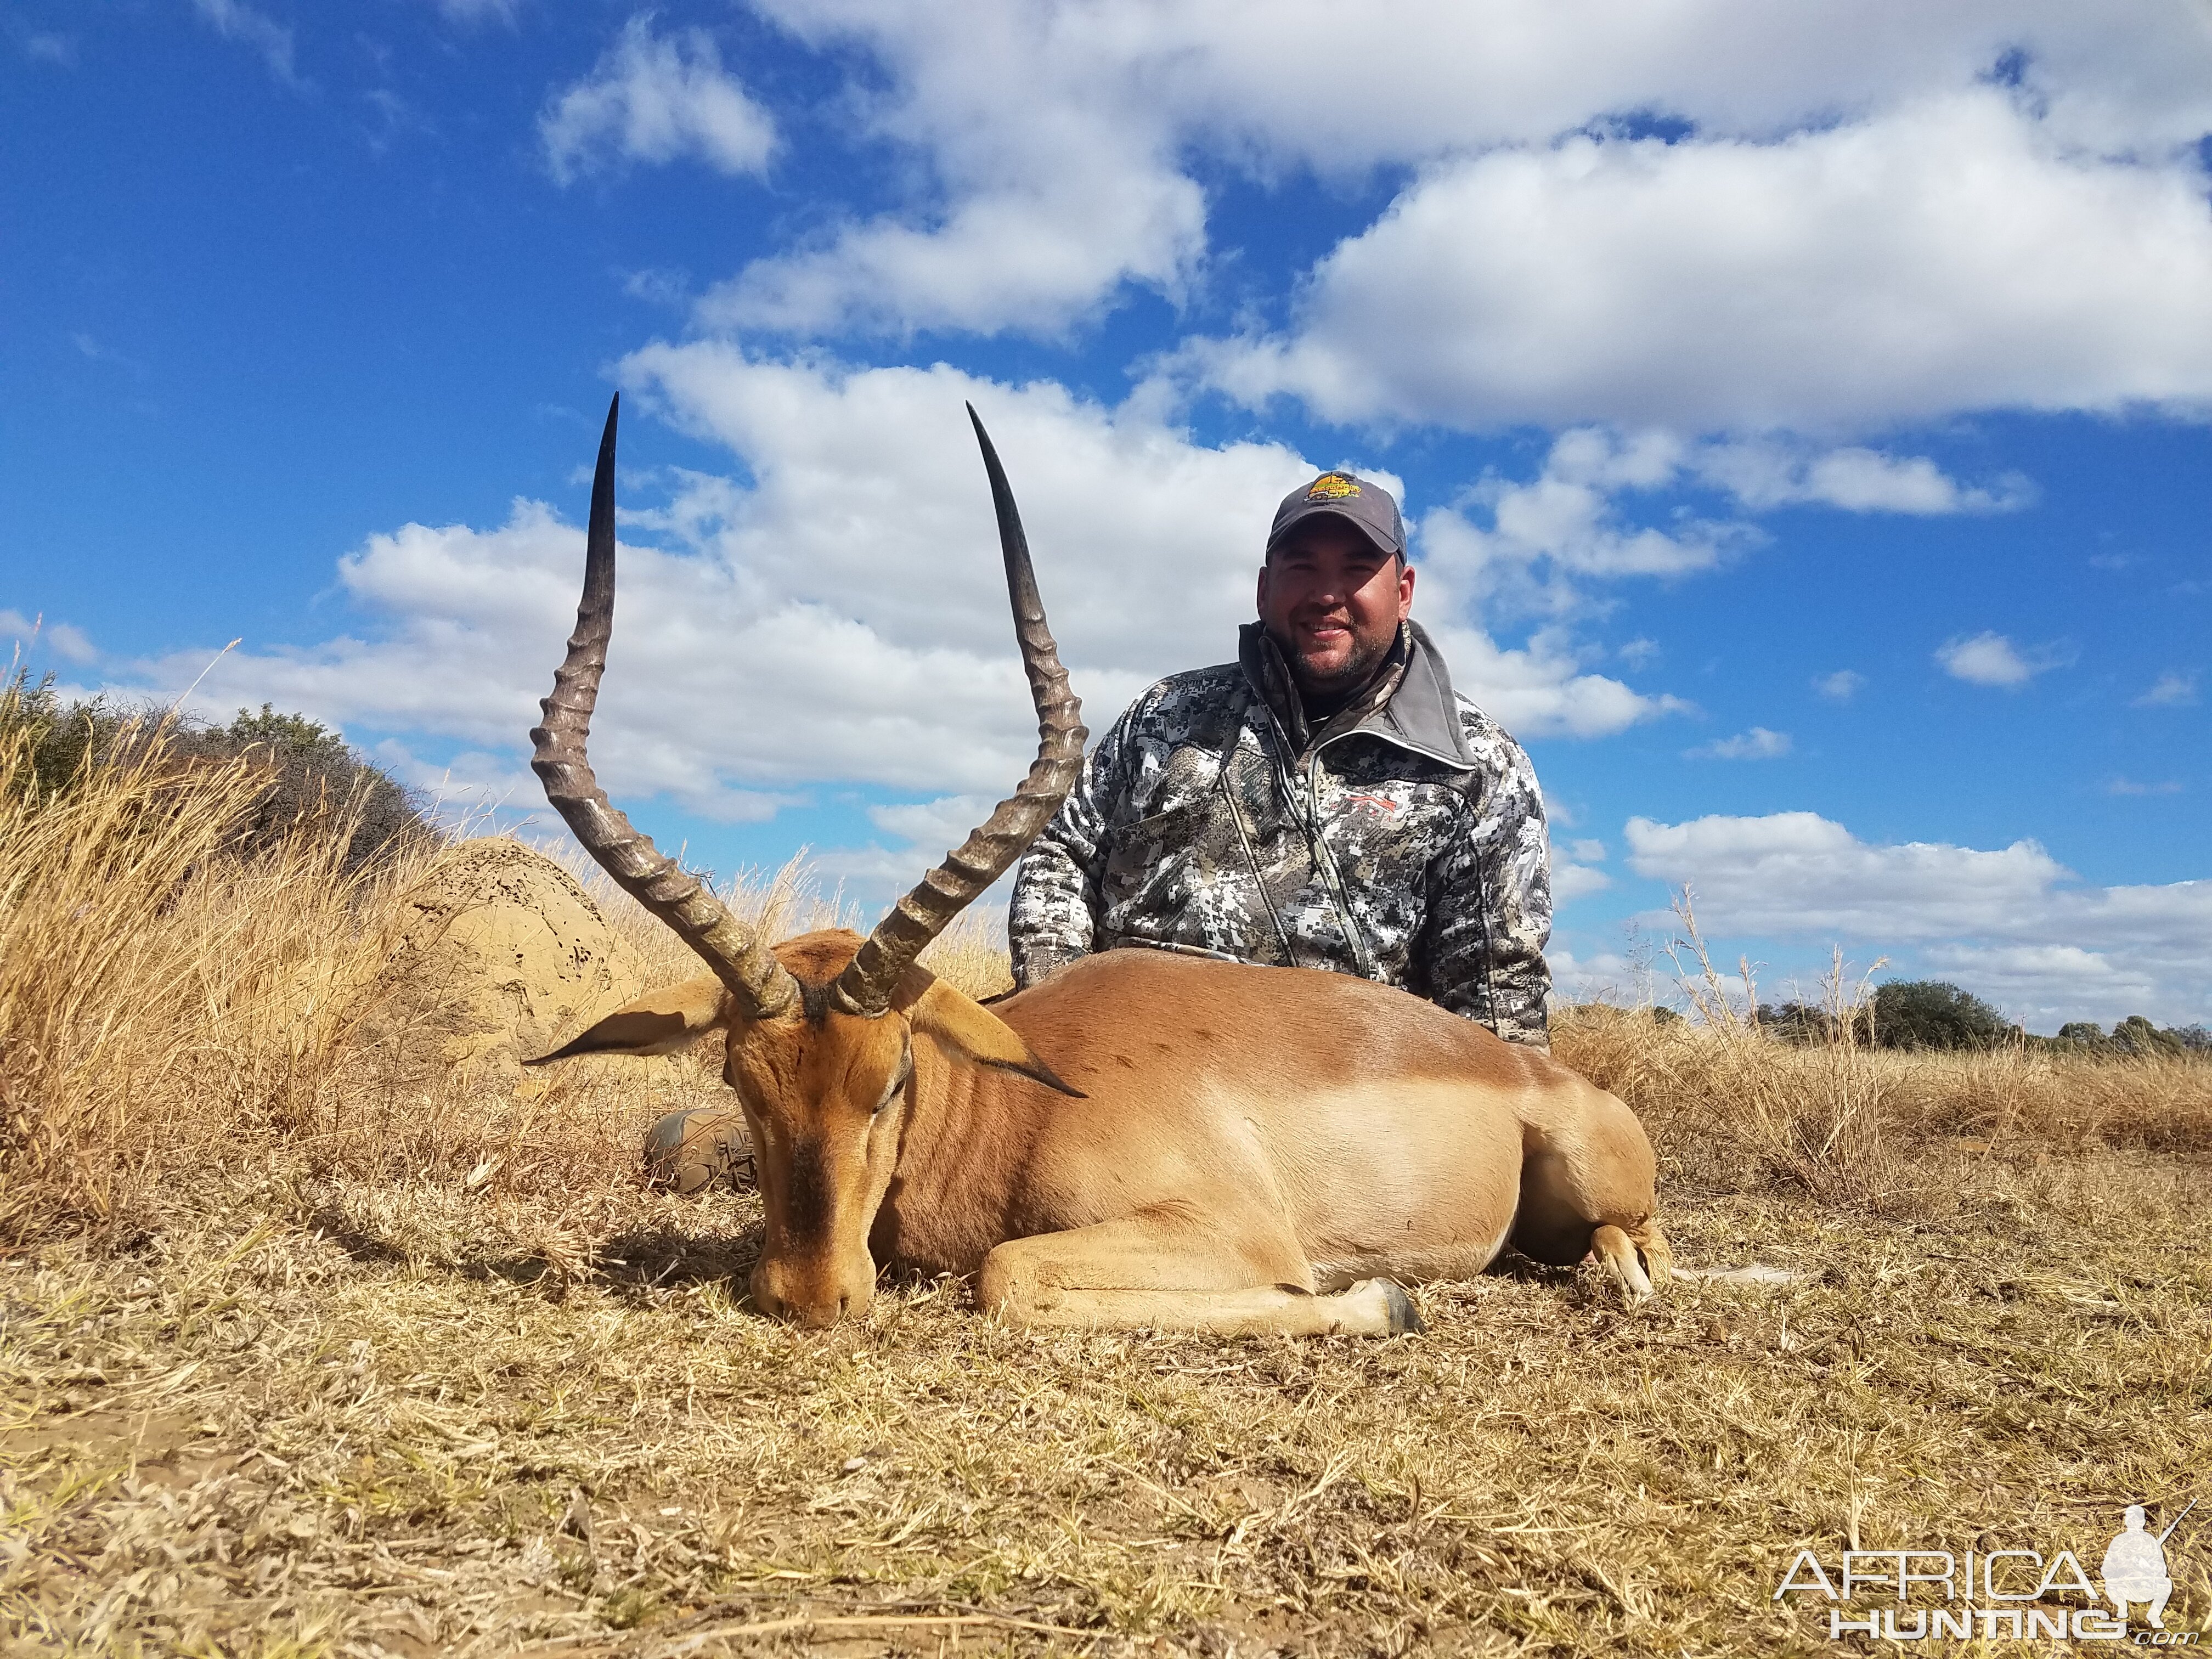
x,y
1586,1187
1642,1262
1171,1274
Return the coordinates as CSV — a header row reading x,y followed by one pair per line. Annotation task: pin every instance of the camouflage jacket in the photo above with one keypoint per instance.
x,y
1402,841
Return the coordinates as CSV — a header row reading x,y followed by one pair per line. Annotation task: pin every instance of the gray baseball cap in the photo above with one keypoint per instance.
x,y
1360,502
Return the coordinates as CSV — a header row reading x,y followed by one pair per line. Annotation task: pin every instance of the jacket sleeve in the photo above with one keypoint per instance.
x,y
1053,918
1490,902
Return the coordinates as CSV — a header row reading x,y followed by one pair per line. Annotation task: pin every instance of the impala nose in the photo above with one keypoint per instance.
x,y
812,1299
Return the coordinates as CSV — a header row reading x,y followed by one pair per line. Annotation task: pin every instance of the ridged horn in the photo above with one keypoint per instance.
x,y
866,985
763,985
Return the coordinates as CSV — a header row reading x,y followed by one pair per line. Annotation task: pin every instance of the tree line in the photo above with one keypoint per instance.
x,y
1929,1013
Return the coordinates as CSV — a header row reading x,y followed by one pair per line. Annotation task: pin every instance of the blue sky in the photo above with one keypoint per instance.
x,y
1802,413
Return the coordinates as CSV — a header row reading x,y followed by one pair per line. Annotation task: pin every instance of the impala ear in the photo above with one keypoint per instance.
x,y
958,1021
658,1022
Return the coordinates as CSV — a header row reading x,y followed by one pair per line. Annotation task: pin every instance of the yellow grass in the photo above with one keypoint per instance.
x,y
289,1365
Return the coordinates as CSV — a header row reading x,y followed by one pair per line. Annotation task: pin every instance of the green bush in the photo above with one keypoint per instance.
x,y
310,771
1932,1013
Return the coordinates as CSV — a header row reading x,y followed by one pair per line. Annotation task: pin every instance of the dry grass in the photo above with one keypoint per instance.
x,y
288,1367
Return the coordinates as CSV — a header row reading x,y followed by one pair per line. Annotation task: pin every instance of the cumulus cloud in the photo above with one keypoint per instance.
x,y
2170,690
915,837
475,792
1953,254
1020,254
718,691
1024,114
27,634
234,19
1542,690
2067,951
859,471
1572,881
1546,539
654,98
1770,474
1757,744
1991,659
840,616
1841,686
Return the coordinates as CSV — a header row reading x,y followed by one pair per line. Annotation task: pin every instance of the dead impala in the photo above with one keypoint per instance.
x,y
1142,1140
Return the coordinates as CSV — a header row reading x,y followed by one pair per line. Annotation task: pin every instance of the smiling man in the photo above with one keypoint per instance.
x,y
1327,800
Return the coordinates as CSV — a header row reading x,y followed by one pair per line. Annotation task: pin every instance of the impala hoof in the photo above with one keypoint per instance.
x,y
1405,1317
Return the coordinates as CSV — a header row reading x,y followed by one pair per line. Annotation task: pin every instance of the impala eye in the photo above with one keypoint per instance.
x,y
899,1078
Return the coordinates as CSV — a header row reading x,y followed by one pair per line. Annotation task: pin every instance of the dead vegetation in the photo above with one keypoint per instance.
x,y
292,1363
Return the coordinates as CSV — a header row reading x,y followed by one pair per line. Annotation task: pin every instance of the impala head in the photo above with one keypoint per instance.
x,y
822,1027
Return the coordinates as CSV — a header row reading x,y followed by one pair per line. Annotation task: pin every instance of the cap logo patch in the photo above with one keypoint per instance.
x,y
1331,487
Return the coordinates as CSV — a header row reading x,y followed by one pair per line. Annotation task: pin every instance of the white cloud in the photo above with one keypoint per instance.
x,y
1549,538
652,98
474,793
1769,474
2047,985
1605,976
861,477
841,616
1025,113
1571,881
1991,659
941,825
1020,254
1757,744
1841,686
1794,874
2128,787
920,834
1539,690
234,19
1956,253
2065,950
70,643
2170,690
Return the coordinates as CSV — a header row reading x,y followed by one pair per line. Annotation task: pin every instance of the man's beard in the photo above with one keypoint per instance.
x,y
1335,687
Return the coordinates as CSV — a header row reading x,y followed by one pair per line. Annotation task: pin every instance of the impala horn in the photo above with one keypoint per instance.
x,y
762,985
865,986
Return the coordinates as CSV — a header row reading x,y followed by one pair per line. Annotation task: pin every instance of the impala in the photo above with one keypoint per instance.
x,y
1144,1138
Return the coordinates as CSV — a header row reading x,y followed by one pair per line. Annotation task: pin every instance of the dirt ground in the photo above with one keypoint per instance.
x,y
298,1415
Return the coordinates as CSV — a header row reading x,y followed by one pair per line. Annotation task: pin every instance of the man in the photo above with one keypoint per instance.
x,y
1325,801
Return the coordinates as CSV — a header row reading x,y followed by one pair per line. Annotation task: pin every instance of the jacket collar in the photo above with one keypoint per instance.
x,y
1411,703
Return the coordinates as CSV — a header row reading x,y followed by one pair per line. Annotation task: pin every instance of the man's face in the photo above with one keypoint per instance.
x,y
1333,603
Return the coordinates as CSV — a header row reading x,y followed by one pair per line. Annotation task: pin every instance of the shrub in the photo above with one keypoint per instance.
x,y
1929,1014
306,773
311,772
